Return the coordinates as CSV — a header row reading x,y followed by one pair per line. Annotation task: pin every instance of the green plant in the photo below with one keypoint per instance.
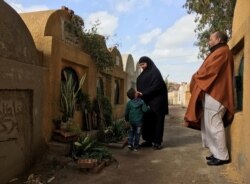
x,y
115,132
92,43
89,148
73,127
103,108
84,101
99,153
69,93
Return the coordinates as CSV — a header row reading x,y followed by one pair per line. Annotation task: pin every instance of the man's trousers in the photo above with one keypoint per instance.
x,y
212,128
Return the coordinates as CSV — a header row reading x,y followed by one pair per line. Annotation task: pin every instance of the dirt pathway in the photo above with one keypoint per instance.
x,y
181,161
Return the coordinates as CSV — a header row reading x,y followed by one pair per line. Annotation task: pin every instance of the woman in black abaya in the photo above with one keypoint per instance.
x,y
152,89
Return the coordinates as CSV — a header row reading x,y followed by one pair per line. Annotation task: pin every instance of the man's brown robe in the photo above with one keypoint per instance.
x,y
214,77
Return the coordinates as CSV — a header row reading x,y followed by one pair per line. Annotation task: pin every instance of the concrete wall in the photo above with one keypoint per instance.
x,y
239,132
21,96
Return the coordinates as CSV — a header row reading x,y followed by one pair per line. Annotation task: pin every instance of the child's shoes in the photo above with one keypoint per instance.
x,y
130,147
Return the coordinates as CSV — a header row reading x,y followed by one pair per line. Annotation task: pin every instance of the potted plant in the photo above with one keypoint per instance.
x,y
69,93
89,153
115,135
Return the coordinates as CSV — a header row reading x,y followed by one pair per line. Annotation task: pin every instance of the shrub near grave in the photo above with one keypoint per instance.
x,y
115,135
89,153
69,92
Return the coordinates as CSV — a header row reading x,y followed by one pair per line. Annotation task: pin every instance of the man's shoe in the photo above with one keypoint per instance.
x,y
216,162
146,144
209,157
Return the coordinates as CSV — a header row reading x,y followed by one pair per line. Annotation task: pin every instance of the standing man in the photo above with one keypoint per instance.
x,y
211,107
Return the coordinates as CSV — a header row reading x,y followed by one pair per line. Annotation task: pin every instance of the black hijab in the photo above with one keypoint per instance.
x,y
151,84
150,63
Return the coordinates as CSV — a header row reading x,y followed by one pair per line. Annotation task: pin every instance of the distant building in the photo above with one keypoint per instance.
x,y
182,94
178,94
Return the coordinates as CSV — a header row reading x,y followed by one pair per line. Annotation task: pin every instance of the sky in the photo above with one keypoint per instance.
x,y
159,29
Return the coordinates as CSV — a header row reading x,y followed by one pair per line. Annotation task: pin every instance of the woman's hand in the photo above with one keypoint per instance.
x,y
139,93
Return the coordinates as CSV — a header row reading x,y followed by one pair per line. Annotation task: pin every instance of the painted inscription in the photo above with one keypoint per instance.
x,y
9,109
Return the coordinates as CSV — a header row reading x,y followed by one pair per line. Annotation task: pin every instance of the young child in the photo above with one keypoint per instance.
x,y
135,109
